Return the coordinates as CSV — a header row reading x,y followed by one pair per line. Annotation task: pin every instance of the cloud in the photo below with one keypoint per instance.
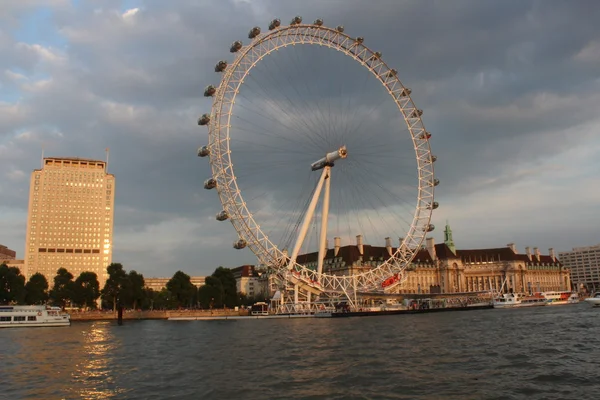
x,y
509,90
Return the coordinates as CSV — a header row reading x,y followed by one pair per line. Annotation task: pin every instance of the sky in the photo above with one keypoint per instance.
x,y
510,92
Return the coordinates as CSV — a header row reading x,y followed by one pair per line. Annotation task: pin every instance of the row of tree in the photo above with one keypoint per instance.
x,y
122,289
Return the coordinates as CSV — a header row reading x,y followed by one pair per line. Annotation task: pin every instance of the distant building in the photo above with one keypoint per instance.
x,y
6,254
248,280
70,221
158,284
443,268
584,263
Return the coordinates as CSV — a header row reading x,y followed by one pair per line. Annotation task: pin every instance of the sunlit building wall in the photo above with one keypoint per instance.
x,y
70,221
584,263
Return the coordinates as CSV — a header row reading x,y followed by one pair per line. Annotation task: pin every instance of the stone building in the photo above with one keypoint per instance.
x,y
158,284
6,253
584,264
443,268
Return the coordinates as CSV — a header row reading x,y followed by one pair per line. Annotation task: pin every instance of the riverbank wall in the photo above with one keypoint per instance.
x,y
155,314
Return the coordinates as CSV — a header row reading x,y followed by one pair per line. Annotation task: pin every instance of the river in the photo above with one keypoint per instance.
x,y
548,352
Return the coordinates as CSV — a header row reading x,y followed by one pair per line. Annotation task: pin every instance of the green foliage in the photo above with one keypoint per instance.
x,y
12,285
219,290
181,288
36,289
63,289
113,288
211,294
133,290
86,290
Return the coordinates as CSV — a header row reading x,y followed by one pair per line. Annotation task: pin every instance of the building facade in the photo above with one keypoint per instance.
x,y
6,254
158,284
441,268
584,263
248,280
70,221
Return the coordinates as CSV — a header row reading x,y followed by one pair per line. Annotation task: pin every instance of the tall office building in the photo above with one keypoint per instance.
x,y
70,222
584,263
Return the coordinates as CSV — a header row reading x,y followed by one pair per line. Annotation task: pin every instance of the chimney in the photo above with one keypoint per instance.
x,y
400,242
359,244
528,252
336,246
326,245
536,251
512,247
552,254
388,245
431,248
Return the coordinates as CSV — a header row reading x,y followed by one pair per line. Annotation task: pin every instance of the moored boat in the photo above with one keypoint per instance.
x,y
594,300
507,300
533,301
558,298
32,316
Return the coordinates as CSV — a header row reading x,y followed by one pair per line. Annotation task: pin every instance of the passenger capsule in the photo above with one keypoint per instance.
x,y
429,228
433,158
405,92
235,46
210,91
318,22
222,216
433,206
203,151
416,113
359,39
375,56
240,244
204,119
274,24
210,183
254,32
391,73
221,65
436,182
339,28
425,135
296,20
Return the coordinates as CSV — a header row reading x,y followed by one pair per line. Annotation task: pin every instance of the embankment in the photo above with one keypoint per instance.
x,y
156,314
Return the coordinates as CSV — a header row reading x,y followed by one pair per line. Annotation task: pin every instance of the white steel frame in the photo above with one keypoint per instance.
x,y
231,197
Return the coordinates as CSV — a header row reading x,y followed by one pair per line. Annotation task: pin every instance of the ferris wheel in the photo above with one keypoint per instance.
x,y
312,134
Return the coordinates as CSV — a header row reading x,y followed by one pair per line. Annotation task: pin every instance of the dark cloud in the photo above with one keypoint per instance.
x,y
504,86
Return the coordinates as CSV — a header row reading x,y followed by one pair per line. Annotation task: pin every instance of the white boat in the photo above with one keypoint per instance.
x,y
594,300
558,298
533,301
32,316
507,300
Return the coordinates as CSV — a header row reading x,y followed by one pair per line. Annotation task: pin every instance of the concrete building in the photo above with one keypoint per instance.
x,y
158,284
443,268
6,254
247,280
584,263
70,221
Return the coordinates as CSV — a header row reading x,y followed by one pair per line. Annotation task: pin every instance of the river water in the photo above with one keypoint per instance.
x,y
534,353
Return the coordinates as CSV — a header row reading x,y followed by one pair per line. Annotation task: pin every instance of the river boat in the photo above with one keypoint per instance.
x,y
594,300
559,298
32,316
507,300
533,301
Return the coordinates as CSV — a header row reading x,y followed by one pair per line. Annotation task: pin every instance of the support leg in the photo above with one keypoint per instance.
x,y
324,219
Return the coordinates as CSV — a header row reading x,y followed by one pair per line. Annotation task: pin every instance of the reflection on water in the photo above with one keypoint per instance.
x,y
545,352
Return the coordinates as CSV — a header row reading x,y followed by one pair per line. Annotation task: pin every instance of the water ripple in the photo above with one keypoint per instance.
x,y
537,353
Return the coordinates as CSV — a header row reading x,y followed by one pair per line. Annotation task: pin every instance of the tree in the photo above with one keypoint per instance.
x,y
182,289
230,296
86,290
36,289
63,289
12,285
211,293
114,285
133,289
